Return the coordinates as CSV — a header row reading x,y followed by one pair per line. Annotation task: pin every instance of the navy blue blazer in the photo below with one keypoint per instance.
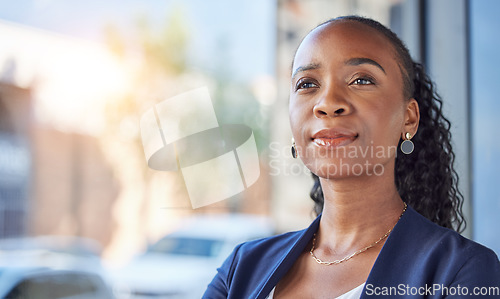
x,y
417,257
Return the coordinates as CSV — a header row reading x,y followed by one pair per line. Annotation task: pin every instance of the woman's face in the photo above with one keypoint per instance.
x,y
347,108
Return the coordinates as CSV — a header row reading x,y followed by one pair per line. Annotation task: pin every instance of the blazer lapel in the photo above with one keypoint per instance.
x,y
286,261
390,263
385,271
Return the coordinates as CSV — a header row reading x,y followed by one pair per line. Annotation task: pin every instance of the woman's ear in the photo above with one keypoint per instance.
x,y
412,117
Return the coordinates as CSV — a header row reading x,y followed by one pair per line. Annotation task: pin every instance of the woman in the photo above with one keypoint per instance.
x,y
355,96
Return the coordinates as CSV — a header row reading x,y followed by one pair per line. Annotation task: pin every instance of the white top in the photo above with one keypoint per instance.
x,y
352,294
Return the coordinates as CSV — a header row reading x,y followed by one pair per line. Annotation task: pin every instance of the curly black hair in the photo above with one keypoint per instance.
x,y
425,179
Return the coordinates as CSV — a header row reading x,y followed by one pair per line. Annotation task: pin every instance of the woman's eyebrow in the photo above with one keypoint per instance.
x,y
311,66
362,60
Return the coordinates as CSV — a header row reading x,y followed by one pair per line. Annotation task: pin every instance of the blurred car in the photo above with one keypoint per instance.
x,y
45,283
51,267
183,263
59,252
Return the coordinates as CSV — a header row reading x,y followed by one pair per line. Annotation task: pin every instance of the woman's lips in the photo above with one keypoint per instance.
x,y
339,141
333,137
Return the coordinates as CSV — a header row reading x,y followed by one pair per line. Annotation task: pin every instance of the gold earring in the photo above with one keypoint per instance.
x,y
407,145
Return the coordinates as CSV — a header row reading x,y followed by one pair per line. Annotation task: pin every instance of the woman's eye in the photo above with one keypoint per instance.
x,y
305,85
362,81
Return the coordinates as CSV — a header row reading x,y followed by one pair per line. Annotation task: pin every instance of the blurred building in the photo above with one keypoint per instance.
x,y
73,187
81,166
51,182
15,159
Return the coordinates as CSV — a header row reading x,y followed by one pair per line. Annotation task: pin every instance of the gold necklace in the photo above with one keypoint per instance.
x,y
335,262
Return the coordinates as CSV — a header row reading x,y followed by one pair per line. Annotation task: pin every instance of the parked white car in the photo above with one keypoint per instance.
x,y
183,263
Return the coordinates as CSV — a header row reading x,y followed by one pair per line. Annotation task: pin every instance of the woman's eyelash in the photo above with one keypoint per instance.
x,y
363,81
305,84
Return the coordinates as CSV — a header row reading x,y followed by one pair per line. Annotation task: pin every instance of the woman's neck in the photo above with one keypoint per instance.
x,y
358,211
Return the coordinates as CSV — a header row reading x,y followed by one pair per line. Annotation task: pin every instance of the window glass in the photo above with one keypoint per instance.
x,y
485,46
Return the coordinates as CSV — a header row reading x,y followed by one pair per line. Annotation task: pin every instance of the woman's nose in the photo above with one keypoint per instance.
x,y
332,104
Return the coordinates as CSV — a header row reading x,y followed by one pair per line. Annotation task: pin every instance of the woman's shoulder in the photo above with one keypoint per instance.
x,y
430,235
420,253
441,252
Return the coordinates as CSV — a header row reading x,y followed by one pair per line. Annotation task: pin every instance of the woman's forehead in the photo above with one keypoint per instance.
x,y
347,35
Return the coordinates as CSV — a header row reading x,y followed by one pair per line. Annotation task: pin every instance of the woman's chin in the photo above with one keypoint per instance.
x,y
343,169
